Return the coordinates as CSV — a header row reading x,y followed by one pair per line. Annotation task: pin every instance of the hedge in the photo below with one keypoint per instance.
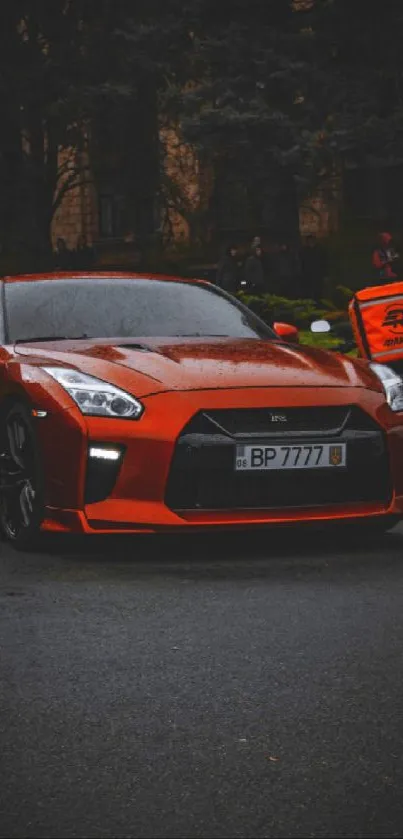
x,y
301,313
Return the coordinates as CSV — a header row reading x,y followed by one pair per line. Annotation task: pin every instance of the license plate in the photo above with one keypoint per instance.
x,y
309,456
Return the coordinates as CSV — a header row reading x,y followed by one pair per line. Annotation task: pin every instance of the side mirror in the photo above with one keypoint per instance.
x,y
320,327
287,332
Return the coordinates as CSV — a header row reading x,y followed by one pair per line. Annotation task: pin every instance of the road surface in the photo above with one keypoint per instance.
x,y
202,687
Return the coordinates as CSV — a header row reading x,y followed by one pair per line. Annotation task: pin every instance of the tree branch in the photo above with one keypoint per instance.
x,y
74,181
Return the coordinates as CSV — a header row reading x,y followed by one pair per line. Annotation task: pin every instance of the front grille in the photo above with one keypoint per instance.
x,y
202,475
274,422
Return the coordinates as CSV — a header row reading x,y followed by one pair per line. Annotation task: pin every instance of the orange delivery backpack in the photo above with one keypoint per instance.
x,y
376,315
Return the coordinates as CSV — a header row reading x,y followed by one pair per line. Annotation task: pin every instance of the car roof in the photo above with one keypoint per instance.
x,y
90,275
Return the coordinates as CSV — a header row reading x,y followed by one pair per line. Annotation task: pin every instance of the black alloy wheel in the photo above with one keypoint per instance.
x,y
21,487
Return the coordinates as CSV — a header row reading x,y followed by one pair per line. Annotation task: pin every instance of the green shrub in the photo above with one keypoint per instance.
x,y
325,341
301,313
271,308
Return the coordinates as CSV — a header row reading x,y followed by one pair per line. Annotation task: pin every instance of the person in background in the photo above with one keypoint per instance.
x,y
313,269
255,273
84,256
228,270
64,259
384,258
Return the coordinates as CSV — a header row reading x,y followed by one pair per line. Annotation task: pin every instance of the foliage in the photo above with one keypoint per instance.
x,y
324,341
302,313
320,91
273,97
42,83
359,80
244,111
271,308
66,74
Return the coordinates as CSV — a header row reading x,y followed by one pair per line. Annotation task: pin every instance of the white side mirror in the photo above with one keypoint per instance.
x,y
320,326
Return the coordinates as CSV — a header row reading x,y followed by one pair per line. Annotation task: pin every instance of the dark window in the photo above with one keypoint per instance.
x,y
111,216
106,308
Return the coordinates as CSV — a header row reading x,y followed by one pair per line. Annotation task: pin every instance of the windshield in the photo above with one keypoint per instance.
x,y
124,308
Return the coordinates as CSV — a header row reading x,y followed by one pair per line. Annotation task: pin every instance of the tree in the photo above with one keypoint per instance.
x,y
80,76
269,94
59,68
40,64
246,111
285,94
233,91
154,40
357,78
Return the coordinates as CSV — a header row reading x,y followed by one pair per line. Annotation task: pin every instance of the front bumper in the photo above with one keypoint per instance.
x,y
141,499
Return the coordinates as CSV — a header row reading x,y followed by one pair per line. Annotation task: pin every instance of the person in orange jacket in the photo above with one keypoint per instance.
x,y
384,257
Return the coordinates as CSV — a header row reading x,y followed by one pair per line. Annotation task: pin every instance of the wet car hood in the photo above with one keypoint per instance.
x,y
151,365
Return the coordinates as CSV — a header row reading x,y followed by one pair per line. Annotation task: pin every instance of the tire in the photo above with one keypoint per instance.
x,y
21,478
367,530
384,524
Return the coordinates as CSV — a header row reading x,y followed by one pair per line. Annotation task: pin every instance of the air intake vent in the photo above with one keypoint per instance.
x,y
137,347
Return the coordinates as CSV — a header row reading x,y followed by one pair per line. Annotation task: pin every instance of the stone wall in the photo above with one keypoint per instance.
x,y
186,190
318,216
78,212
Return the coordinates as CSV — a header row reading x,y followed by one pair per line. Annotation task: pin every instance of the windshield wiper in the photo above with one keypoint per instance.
x,y
51,338
200,335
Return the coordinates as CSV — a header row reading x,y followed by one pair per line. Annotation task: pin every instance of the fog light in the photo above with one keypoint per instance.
x,y
104,454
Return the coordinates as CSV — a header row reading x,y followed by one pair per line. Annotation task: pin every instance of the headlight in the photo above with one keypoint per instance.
x,y
94,397
392,385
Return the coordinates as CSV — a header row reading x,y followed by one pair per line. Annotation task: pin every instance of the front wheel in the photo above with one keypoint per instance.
x,y
21,481
370,529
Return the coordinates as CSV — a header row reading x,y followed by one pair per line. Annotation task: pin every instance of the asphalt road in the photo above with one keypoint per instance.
x,y
206,687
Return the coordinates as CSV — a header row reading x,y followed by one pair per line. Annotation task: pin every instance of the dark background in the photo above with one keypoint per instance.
x,y
279,101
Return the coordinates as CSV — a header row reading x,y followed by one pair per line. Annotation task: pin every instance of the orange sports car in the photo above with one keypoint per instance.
x,y
133,403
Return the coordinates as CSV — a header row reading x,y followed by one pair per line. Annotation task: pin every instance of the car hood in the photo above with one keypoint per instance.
x,y
153,365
